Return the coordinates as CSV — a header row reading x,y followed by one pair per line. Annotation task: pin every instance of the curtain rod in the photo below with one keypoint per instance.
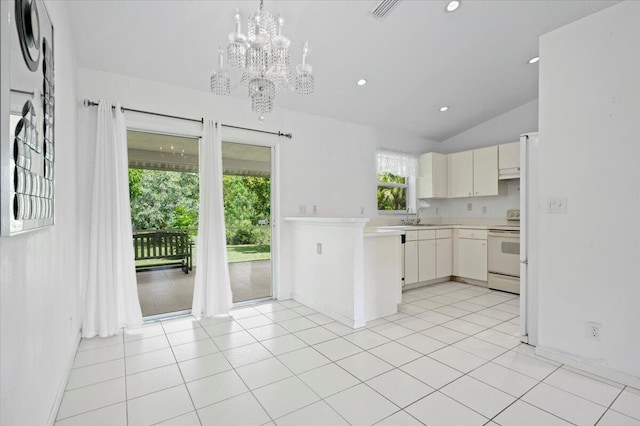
x,y
90,103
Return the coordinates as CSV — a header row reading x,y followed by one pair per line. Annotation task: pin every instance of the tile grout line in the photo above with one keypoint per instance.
x,y
89,411
611,405
277,381
124,360
335,362
467,374
362,350
184,382
539,408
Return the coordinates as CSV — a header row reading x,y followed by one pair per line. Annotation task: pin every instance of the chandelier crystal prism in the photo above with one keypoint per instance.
x,y
264,61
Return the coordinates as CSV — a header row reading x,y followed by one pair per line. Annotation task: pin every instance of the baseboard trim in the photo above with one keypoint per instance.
x,y
589,366
420,284
469,281
357,323
63,385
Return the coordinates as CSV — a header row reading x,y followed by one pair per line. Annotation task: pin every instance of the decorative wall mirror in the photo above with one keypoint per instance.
x,y
27,111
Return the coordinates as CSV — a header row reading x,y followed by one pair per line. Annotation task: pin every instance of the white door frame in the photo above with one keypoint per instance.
x,y
242,137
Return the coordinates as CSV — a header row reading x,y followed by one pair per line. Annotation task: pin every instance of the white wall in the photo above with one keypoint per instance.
x,y
496,207
501,129
328,163
332,281
589,153
39,301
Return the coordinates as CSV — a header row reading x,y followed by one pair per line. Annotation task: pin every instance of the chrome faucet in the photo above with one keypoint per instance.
x,y
408,221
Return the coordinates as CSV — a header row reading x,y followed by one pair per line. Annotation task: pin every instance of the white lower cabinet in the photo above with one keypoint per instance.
x,y
472,258
426,260
427,255
444,256
435,254
410,262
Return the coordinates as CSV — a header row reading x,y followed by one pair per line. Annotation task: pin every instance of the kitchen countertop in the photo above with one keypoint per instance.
x,y
382,231
405,228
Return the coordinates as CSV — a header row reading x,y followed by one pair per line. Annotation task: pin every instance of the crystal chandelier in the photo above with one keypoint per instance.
x,y
262,57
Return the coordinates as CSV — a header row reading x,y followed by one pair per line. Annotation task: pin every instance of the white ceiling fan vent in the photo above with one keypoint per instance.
x,y
382,9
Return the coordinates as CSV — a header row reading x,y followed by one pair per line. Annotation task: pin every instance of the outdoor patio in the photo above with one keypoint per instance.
x,y
171,290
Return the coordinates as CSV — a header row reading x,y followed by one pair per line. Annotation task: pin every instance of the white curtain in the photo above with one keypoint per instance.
x,y
212,288
401,164
112,294
398,163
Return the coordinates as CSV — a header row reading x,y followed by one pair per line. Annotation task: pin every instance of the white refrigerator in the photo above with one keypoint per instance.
x,y
529,211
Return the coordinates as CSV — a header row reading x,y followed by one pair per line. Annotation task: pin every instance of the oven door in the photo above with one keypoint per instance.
x,y
504,253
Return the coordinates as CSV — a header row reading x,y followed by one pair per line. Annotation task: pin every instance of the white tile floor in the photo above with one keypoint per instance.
x,y
451,356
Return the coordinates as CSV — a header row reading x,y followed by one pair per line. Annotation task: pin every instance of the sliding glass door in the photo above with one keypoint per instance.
x,y
164,193
247,204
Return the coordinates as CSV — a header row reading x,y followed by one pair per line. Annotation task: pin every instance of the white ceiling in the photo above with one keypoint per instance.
x,y
416,60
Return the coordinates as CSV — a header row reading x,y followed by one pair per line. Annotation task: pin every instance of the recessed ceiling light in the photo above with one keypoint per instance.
x,y
361,82
534,59
452,6
444,108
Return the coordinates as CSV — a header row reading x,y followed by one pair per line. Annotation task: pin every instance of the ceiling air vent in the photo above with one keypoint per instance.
x,y
382,9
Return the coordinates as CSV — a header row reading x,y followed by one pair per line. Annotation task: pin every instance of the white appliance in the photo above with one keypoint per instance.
x,y
504,259
529,240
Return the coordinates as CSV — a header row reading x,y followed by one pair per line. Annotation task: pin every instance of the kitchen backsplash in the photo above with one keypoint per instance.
x,y
481,207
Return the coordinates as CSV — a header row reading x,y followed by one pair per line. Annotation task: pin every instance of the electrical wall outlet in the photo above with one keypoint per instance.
x,y
484,209
557,205
319,248
315,210
303,209
594,330
437,211
469,206
361,209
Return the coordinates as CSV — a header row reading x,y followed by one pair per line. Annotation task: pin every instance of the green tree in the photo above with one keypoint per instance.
x,y
161,199
166,199
391,197
135,175
246,202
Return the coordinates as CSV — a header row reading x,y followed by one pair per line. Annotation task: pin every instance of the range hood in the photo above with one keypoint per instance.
x,y
513,173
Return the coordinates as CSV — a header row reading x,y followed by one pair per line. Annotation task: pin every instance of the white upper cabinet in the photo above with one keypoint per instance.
x,y
432,182
509,160
460,173
485,171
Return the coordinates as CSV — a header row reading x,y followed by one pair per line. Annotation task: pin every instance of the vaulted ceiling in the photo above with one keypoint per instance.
x,y
416,60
